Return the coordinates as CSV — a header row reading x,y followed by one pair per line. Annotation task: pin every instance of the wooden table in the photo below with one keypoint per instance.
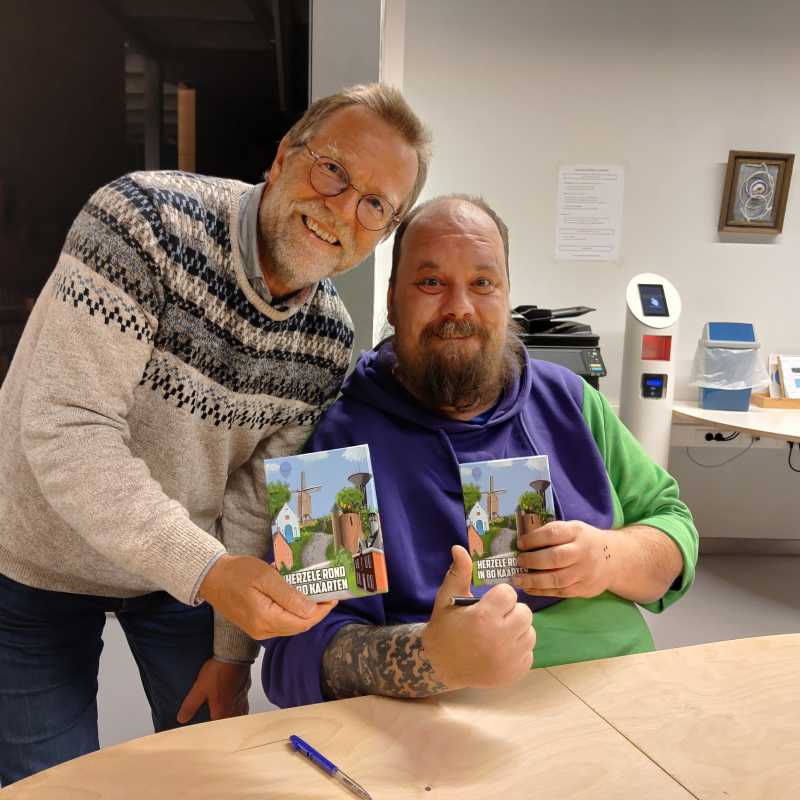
x,y
715,721
723,719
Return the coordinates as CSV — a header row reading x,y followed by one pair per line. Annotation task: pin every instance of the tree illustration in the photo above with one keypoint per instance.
x,y
349,500
278,493
531,503
472,495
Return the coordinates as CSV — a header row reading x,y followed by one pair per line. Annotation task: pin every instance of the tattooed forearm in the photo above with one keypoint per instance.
x,y
363,659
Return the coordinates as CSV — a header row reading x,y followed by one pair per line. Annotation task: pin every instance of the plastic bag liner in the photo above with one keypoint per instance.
x,y
728,368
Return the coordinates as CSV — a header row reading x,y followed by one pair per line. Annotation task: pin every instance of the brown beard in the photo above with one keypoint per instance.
x,y
446,377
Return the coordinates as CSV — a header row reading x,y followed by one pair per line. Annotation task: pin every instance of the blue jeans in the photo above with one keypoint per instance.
x,y
50,644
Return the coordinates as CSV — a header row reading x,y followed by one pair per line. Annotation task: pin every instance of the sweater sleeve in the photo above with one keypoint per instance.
x,y
643,492
244,526
96,336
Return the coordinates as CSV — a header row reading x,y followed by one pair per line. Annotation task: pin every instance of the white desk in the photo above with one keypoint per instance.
x,y
778,424
775,423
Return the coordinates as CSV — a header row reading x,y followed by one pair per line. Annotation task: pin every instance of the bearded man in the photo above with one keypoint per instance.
x,y
453,386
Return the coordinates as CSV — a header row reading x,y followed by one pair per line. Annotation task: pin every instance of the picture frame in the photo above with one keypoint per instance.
x,y
755,193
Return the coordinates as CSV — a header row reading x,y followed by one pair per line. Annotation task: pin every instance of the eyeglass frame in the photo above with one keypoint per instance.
x,y
395,218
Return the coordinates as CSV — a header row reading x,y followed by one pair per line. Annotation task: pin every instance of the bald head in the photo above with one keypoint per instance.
x,y
452,212
449,305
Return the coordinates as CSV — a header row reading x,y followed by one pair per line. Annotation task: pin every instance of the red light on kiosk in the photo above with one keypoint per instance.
x,y
656,348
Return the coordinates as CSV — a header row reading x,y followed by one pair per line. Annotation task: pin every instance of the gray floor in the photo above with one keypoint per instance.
x,y
733,597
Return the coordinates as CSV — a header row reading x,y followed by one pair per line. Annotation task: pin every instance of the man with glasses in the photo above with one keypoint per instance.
x,y
189,330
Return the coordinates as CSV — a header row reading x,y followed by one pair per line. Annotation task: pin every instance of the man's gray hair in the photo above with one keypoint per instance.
x,y
390,105
474,200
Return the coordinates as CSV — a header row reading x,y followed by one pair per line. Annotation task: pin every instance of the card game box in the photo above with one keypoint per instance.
x,y
325,525
502,497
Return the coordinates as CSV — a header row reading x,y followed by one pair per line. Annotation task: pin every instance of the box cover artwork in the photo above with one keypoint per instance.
x,y
500,498
326,530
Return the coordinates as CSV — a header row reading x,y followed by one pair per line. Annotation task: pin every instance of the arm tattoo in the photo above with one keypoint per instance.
x,y
390,660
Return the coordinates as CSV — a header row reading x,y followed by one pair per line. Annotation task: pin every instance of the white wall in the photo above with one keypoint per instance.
x,y
514,88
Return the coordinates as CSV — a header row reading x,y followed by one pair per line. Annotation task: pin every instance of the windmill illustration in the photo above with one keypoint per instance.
x,y
492,499
304,499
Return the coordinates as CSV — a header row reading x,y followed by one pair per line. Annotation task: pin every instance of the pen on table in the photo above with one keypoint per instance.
x,y
323,763
464,601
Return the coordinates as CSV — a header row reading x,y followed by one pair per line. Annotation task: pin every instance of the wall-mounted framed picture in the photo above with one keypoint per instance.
x,y
756,188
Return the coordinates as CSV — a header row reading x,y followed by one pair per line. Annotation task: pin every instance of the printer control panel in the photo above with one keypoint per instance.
x,y
593,362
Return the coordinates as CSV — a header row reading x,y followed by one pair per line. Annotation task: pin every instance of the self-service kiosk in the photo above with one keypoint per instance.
x,y
648,365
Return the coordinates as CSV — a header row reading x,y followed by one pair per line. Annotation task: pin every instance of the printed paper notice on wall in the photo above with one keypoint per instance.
x,y
589,213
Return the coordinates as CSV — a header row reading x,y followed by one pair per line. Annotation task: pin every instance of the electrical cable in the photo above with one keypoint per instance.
x,y
721,463
792,467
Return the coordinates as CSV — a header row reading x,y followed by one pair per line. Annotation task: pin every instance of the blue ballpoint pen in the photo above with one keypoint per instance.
x,y
309,752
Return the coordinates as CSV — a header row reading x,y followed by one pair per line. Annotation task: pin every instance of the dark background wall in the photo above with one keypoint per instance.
x,y
69,112
63,131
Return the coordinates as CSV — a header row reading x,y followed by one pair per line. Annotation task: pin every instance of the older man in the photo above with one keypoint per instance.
x,y
188,331
452,386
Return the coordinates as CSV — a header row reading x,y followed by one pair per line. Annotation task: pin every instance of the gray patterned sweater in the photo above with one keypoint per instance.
x,y
149,384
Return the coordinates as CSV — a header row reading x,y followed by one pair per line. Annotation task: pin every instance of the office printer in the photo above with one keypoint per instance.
x,y
549,336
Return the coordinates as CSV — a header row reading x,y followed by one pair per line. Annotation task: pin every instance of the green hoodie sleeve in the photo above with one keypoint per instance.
x,y
643,493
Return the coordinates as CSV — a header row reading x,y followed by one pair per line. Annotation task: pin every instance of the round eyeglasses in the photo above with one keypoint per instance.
x,y
330,178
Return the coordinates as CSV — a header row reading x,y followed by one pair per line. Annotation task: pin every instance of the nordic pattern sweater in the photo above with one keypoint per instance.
x,y
150,383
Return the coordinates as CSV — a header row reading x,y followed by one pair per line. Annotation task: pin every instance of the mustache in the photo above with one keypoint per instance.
x,y
454,329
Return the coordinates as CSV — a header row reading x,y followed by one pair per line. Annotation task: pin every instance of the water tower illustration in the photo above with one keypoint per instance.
x,y
347,530
529,519
540,487
360,481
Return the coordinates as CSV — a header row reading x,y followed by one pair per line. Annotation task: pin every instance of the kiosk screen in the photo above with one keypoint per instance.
x,y
654,301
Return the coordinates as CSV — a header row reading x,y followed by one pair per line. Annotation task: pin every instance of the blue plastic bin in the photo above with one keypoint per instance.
x,y
725,399
729,335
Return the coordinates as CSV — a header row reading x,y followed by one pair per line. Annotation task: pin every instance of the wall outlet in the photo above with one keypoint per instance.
x,y
697,436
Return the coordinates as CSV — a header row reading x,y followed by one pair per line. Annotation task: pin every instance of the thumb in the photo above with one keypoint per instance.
x,y
286,596
457,579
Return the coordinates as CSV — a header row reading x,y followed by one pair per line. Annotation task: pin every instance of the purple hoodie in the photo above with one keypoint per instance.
x,y
415,457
